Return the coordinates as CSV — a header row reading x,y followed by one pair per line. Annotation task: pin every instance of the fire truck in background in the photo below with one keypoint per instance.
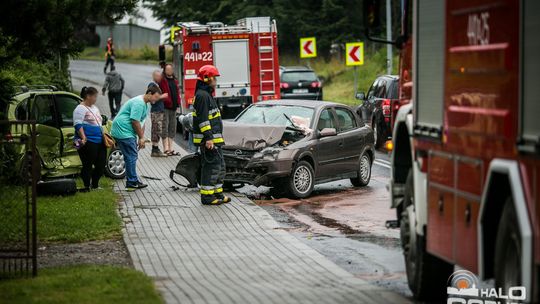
x,y
246,55
465,174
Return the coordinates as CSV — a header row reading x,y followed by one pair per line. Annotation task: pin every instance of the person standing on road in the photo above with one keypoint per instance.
x,y
114,83
207,133
88,138
109,55
157,117
169,86
128,131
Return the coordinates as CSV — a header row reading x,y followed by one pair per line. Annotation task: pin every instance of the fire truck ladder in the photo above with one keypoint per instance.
x,y
267,55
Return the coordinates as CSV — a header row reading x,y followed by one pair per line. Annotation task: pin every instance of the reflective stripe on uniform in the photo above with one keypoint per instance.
x,y
207,192
197,138
219,190
210,116
206,128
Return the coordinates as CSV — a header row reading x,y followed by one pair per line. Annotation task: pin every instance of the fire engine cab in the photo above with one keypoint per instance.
x,y
246,55
465,176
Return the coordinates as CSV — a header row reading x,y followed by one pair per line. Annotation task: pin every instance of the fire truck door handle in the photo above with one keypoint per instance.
x,y
441,204
468,213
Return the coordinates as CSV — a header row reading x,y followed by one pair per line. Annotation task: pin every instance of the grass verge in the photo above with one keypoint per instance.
x,y
71,219
81,284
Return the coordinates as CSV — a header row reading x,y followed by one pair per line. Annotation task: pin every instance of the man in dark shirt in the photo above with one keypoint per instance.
x,y
156,115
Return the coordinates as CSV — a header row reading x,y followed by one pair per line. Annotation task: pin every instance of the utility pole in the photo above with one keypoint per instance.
x,y
389,36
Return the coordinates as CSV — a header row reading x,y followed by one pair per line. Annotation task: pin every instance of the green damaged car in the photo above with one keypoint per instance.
x,y
52,110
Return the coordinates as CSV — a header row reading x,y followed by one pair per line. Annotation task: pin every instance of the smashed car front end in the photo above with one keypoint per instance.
x,y
257,167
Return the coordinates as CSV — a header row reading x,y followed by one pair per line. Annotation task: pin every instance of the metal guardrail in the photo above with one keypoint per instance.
x,y
19,173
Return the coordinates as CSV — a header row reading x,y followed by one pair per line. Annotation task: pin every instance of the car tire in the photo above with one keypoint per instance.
x,y
364,171
425,283
301,181
115,166
508,249
377,134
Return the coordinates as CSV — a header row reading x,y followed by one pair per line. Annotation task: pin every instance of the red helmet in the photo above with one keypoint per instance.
x,y
207,71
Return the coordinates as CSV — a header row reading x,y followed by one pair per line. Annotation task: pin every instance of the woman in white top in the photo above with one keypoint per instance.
x,y
89,138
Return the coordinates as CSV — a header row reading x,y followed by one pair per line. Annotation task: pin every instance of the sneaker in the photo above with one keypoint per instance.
x,y
141,185
137,185
86,189
157,153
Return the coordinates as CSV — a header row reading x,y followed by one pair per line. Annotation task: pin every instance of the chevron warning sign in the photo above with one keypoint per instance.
x,y
308,47
354,53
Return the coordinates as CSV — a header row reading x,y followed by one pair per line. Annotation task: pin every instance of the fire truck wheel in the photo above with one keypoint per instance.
x,y
508,249
424,282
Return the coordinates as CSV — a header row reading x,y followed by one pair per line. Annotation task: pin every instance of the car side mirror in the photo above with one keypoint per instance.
x,y
104,119
327,132
360,96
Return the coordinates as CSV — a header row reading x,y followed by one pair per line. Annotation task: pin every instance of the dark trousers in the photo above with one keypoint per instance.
x,y
115,100
212,174
108,61
93,158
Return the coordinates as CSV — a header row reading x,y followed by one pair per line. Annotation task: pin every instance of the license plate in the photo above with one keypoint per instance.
x,y
300,91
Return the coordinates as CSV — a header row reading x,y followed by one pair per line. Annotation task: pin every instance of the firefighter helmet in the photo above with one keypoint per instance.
x,y
207,72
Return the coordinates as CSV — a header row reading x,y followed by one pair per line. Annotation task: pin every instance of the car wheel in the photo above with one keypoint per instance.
x,y
115,167
364,171
377,134
508,249
424,283
300,183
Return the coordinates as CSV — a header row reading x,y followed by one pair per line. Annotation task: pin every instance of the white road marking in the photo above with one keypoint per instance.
x,y
382,163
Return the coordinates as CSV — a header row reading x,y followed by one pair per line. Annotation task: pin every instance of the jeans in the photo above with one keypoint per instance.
x,y
115,100
128,146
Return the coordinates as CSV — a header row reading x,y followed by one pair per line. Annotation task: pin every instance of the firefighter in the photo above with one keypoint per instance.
x,y
109,55
207,133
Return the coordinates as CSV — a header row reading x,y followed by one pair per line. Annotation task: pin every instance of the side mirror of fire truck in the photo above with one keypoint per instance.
x,y
161,54
372,22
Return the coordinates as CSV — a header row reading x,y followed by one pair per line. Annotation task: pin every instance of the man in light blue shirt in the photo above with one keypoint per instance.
x,y
127,130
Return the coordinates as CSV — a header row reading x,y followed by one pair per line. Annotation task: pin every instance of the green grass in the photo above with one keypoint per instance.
x,y
144,55
76,218
81,284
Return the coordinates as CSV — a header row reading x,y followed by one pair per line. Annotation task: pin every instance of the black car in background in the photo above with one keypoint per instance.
x,y
379,107
300,82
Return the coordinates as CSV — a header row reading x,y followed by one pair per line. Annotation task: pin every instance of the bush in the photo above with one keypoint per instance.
x,y
148,53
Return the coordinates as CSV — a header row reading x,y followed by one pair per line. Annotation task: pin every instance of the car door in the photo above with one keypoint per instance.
x,y
349,132
65,105
48,134
327,148
367,105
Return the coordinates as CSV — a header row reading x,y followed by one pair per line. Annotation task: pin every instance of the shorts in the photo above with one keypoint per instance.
x,y
169,123
157,126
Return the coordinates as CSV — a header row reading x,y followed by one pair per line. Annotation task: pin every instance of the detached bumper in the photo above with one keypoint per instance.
x,y
257,172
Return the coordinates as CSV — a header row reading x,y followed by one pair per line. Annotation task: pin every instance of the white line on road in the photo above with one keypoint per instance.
x,y
382,163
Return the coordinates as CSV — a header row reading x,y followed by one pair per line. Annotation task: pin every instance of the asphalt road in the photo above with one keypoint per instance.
x,y
344,223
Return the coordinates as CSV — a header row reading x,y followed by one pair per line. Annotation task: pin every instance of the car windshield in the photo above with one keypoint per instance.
x,y
277,115
298,76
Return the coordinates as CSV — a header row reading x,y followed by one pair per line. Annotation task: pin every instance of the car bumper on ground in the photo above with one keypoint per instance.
x,y
308,96
257,172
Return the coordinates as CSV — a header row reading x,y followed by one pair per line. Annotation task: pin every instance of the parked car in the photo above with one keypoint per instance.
x,y
52,110
299,82
292,145
379,107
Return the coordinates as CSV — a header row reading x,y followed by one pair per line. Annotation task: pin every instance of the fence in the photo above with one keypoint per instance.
x,y
19,173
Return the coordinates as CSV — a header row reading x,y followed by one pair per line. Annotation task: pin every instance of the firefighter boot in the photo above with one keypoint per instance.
x,y
221,196
210,200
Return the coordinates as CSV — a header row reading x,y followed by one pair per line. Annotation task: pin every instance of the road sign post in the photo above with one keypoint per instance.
x,y
308,47
354,56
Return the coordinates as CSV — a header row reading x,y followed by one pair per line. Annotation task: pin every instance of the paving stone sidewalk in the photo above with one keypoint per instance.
x,y
233,253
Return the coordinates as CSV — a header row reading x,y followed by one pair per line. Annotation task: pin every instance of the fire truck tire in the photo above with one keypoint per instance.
x,y
427,275
508,249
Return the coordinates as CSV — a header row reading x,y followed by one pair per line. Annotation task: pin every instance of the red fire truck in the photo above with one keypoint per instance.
x,y
246,54
465,174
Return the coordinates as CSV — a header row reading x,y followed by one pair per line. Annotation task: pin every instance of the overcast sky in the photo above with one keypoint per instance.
x,y
150,21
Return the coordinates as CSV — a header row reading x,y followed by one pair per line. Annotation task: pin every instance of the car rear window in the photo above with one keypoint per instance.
x,y
301,76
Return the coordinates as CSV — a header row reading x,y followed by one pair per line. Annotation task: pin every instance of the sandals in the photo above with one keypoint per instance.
x,y
172,153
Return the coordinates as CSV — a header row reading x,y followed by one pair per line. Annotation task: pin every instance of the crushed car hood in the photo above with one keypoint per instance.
x,y
250,136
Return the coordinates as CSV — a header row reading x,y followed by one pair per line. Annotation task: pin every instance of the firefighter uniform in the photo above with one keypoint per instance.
x,y
207,125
